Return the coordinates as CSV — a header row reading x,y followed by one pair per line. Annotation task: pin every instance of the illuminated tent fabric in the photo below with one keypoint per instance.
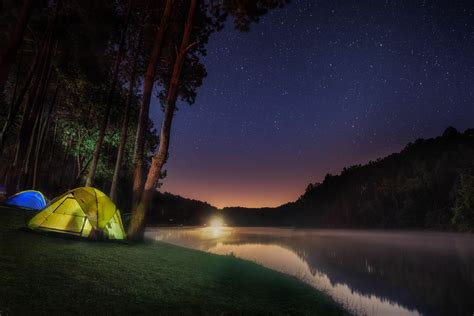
x,y
34,200
83,212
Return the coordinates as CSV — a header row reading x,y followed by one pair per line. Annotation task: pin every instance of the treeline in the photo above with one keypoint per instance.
x,y
428,185
76,83
170,209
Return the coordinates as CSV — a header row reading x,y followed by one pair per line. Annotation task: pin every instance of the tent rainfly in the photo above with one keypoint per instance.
x,y
31,199
83,212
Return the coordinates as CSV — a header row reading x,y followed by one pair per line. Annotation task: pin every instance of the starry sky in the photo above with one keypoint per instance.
x,y
317,86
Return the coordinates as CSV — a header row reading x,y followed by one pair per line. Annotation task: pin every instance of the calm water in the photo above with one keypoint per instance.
x,y
369,272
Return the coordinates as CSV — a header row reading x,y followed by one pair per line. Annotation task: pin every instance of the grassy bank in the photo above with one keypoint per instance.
x,y
41,274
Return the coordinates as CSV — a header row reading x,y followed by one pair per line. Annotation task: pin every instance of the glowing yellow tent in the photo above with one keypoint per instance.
x,y
84,212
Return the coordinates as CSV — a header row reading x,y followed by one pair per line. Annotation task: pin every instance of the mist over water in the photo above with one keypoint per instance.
x,y
369,272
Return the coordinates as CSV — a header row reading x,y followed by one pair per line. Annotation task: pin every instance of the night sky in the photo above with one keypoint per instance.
x,y
317,86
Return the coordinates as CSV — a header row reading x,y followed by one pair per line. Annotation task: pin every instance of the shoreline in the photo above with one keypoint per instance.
x,y
55,275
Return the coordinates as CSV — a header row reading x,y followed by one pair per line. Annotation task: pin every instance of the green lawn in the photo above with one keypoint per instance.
x,y
42,274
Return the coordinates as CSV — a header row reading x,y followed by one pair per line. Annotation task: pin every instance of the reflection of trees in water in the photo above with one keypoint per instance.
x,y
197,238
432,276
432,282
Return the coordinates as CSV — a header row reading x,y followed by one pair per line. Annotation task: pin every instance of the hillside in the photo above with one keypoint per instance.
x,y
428,185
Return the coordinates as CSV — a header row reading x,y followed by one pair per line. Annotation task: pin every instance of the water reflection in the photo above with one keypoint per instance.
x,y
371,273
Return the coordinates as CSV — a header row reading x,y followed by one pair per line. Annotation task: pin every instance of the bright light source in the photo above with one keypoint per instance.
x,y
216,222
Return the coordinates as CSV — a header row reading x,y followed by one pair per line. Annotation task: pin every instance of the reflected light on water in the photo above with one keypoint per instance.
x,y
368,272
284,260
216,228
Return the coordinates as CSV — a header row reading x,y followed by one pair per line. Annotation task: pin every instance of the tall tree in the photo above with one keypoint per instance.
x,y
110,96
43,128
145,107
183,82
137,222
124,130
13,43
34,102
81,56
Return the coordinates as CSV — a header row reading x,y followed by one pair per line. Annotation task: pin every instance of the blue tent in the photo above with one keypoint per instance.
x,y
34,200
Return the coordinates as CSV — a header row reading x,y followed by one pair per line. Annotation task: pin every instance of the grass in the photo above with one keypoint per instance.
x,y
46,275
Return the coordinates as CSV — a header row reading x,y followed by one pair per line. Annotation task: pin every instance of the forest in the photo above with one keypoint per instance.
x,y
78,79
428,185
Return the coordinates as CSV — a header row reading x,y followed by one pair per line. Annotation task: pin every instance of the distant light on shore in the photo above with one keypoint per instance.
x,y
216,222
216,227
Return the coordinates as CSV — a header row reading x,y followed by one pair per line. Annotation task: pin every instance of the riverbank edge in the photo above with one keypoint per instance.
x,y
45,275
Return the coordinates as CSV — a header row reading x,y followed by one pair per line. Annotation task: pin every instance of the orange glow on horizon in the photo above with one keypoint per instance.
x,y
222,197
253,187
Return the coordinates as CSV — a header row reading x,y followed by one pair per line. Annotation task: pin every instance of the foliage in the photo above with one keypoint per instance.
x,y
463,217
85,44
416,188
175,210
66,62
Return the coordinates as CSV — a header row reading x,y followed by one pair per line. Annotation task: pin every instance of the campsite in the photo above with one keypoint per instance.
x,y
236,157
43,274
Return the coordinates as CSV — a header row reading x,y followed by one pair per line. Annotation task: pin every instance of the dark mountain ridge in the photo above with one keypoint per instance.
x,y
428,185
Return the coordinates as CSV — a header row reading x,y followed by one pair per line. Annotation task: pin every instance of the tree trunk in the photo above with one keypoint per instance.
x,y
17,80
32,104
23,177
137,222
53,144
145,107
29,116
123,133
15,106
37,148
65,162
41,137
108,107
40,112
14,41
81,171
11,109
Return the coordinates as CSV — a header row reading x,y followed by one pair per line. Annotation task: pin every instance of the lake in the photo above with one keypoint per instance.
x,y
368,272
